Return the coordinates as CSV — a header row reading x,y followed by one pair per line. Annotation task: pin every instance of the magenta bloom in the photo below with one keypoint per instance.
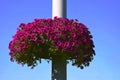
x,y
44,38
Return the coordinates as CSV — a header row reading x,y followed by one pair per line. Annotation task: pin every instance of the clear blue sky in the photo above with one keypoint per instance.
x,y
102,17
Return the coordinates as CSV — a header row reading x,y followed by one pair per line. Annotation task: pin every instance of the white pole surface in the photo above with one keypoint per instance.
x,y
59,8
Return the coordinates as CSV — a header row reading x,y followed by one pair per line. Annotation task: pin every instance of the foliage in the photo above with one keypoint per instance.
x,y
45,38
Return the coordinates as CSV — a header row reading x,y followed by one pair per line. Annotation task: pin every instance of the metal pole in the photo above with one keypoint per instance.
x,y
59,62
59,68
59,8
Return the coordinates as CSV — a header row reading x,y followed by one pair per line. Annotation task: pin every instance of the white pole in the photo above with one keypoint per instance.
x,y
59,8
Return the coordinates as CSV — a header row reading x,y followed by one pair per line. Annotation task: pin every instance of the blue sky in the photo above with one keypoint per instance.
x,y
102,17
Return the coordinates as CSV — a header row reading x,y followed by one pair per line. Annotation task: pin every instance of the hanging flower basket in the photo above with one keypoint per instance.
x,y
47,38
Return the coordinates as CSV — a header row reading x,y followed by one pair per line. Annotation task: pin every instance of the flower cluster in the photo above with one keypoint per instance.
x,y
45,38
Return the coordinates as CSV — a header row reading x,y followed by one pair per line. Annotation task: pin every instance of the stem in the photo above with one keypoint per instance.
x,y
58,68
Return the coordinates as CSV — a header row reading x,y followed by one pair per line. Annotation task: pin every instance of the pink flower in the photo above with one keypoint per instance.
x,y
41,41
66,44
84,40
44,38
22,25
72,44
39,31
59,43
73,35
72,49
33,37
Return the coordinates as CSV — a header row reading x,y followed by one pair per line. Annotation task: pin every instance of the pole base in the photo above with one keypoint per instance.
x,y
59,68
